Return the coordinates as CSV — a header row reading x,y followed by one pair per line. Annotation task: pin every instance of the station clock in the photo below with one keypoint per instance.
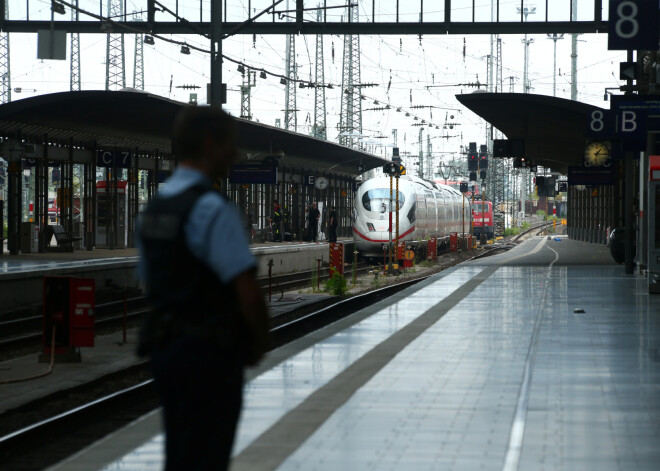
x,y
321,183
597,154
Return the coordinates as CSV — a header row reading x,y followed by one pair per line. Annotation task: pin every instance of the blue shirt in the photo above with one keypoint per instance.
x,y
214,231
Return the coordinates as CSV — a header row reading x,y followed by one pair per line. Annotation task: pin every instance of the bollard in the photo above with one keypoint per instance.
x,y
125,315
270,279
318,274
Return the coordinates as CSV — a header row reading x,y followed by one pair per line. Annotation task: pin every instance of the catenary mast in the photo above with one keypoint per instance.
x,y
5,90
319,127
290,110
115,76
350,122
75,54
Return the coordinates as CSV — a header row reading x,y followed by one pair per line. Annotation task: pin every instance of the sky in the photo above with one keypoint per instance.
x,y
408,71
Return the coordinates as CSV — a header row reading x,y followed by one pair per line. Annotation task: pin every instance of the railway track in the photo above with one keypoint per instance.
x,y
493,249
25,331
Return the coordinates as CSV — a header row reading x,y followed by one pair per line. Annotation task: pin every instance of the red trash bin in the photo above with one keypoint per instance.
x,y
453,241
68,317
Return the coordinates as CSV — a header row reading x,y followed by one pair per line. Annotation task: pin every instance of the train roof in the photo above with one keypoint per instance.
x,y
432,185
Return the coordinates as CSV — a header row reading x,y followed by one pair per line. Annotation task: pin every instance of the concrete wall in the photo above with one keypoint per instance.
x,y
294,258
24,290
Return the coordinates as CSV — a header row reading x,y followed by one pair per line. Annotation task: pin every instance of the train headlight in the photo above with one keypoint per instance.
x,y
370,227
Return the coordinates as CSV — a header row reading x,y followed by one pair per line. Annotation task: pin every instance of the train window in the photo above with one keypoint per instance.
x,y
378,199
411,213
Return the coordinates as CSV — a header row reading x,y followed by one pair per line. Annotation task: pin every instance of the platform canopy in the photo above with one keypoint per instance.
x,y
554,129
139,121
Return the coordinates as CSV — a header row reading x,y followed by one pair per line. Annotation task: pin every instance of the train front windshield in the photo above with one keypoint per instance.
x,y
378,199
478,207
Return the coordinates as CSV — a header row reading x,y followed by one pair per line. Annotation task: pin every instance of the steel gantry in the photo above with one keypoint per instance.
x,y
437,17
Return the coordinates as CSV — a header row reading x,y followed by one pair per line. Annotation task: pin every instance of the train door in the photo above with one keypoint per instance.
x,y
430,211
468,214
444,211
449,212
438,207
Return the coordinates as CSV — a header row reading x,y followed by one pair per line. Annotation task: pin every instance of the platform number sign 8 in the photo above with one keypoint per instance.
x,y
633,24
600,124
597,123
626,25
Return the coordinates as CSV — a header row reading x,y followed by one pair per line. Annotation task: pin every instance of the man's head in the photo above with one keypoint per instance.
x,y
205,138
314,205
276,203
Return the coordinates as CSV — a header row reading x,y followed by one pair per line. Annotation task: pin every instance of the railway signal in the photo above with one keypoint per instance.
x,y
473,156
393,169
483,157
473,160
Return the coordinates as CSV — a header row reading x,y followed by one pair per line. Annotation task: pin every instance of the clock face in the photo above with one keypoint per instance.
x,y
321,183
597,153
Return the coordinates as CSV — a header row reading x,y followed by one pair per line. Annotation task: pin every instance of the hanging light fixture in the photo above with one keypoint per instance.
x,y
283,81
185,50
149,40
263,75
240,68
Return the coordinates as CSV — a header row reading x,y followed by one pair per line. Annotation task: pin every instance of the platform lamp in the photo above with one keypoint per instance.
x,y
185,50
607,92
149,40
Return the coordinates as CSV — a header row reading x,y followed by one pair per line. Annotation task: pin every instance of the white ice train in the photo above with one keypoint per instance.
x,y
426,210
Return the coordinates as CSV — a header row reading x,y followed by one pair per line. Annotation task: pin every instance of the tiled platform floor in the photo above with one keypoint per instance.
x,y
484,367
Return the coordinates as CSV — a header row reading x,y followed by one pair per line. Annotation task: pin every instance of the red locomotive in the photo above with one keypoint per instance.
x,y
482,217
